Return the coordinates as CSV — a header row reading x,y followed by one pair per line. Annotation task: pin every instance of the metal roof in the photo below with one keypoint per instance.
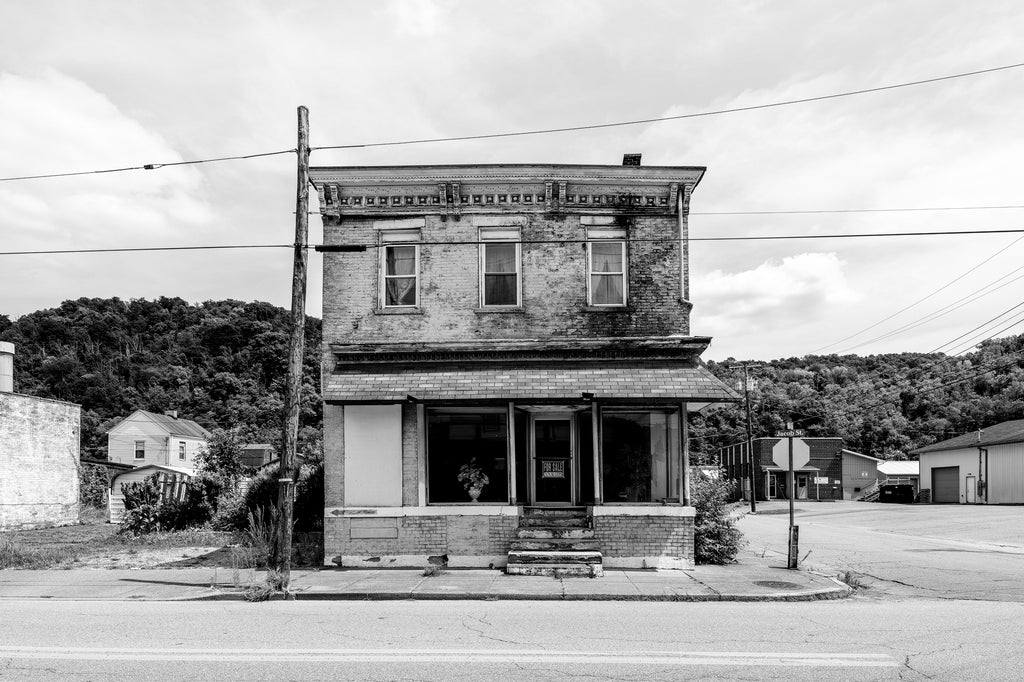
x,y
1006,432
172,425
898,467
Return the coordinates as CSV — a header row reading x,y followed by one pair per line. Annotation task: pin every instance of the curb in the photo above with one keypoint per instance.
x,y
840,591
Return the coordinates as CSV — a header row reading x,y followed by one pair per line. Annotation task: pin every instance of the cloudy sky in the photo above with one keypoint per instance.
x,y
102,84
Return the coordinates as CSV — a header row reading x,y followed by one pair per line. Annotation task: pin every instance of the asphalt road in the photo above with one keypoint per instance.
x,y
832,640
903,551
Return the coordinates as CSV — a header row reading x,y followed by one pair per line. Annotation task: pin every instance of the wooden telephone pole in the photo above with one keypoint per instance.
x,y
296,347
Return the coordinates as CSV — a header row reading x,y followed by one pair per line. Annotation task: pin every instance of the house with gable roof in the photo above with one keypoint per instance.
x,y
144,438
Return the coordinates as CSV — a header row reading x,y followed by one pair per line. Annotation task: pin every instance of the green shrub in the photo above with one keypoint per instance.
x,y
92,485
716,539
262,494
146,512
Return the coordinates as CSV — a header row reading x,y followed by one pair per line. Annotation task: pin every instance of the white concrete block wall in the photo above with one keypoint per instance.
x,y
39,452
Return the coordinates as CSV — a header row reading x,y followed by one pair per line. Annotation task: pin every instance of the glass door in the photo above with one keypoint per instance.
x,y
553,471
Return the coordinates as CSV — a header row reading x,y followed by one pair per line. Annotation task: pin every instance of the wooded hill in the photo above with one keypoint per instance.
x,y
220,363
223,363
880,405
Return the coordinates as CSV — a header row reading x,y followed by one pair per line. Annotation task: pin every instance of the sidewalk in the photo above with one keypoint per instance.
x,y
754,579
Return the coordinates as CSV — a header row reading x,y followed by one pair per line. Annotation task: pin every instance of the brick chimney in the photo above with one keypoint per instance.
x,y
6,367
173,414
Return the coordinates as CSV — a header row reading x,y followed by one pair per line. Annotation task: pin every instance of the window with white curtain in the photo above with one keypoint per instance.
x,y
499,267
606,260
400,269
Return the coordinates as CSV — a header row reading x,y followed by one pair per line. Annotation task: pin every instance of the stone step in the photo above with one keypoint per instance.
x,y
555,544
555,521
549,533
554,557
557,570
577,512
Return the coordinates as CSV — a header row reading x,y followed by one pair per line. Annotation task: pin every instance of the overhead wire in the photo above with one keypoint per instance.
x,y
920,300
521,133
660,119
477,242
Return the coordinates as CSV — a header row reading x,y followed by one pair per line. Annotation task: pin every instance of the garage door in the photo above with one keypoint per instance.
x,y
946,484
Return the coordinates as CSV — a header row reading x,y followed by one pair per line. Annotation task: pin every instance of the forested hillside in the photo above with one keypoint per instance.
x,y
221,363
881,405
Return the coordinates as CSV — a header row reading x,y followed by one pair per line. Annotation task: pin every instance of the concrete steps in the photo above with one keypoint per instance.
x,y
555,541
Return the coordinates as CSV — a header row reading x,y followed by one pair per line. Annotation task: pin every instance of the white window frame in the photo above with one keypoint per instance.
x,y
182,451
607,236
399,238
140,447
501,235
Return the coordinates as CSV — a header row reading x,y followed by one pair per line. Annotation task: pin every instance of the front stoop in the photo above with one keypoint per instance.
x,y
555,541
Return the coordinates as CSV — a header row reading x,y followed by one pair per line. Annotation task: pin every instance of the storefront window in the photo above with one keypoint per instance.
x,y
639,455
457,439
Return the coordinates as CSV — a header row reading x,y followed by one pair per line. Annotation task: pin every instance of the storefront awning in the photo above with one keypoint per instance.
x,y
608,382
775,469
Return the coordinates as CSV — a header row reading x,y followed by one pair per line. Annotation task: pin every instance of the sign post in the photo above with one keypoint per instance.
x,y
791,453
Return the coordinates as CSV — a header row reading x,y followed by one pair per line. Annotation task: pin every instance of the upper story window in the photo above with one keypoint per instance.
x,y
181,450
606,265
140,449
400,268
499,267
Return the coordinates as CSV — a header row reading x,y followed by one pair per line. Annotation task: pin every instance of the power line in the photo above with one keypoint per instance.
x,y
541,131
147,248
954,306
476,242
659,119
147,166
920,300
817,211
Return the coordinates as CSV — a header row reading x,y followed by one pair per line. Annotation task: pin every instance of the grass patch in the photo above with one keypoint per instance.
x,y
190,537
15,555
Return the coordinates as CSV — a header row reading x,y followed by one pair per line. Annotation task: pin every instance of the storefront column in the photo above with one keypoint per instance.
x,y
595,434
511,466
684,446
421,454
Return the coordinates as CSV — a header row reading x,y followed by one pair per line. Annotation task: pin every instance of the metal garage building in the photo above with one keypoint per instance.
x,y
981,467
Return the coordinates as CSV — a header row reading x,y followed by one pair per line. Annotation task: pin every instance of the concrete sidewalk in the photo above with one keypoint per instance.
x,y
753,579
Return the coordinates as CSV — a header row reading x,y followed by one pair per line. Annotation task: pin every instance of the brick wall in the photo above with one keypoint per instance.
x,y
554,285
645,536
39,450
419,537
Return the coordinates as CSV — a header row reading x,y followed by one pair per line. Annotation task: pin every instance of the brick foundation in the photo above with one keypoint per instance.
x,y
418,536
413,537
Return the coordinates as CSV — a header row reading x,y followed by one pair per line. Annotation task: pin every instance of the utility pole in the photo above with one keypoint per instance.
x,y
296,347
750,441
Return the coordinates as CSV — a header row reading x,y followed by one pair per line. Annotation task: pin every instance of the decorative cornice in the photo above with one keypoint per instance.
x,y
456,190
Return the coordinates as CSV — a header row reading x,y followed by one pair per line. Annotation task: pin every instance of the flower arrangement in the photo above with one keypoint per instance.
x,y
473,478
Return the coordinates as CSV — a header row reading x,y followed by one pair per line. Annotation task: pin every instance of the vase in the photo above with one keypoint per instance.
x,y
474,492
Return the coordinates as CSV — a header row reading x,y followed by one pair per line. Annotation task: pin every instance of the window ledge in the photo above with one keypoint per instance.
x,y
398,311
607,309
506,309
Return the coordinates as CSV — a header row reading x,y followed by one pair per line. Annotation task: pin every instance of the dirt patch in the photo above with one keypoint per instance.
x,y
98,545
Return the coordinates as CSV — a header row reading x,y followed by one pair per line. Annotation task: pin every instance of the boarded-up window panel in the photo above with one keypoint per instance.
x,y
373,455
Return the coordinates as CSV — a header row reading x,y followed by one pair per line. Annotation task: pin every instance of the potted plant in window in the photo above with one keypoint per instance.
x,y
473,479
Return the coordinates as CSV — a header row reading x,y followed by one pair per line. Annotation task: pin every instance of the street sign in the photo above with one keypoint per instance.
x,y
801,453
791,433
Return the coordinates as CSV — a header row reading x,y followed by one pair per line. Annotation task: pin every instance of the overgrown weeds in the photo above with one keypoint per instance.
x,y
15,555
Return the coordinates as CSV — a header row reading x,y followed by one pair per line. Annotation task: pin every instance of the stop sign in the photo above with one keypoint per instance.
x,y
801,453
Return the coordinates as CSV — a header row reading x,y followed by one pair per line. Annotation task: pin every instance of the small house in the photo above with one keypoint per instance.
x,y
145,438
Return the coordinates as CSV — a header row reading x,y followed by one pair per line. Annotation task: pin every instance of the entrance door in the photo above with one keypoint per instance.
x,y
801,487
553,460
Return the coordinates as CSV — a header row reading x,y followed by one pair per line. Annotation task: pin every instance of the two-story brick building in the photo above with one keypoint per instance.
x,y
521,326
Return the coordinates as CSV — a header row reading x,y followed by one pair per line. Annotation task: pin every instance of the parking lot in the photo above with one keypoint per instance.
x,y
902,551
